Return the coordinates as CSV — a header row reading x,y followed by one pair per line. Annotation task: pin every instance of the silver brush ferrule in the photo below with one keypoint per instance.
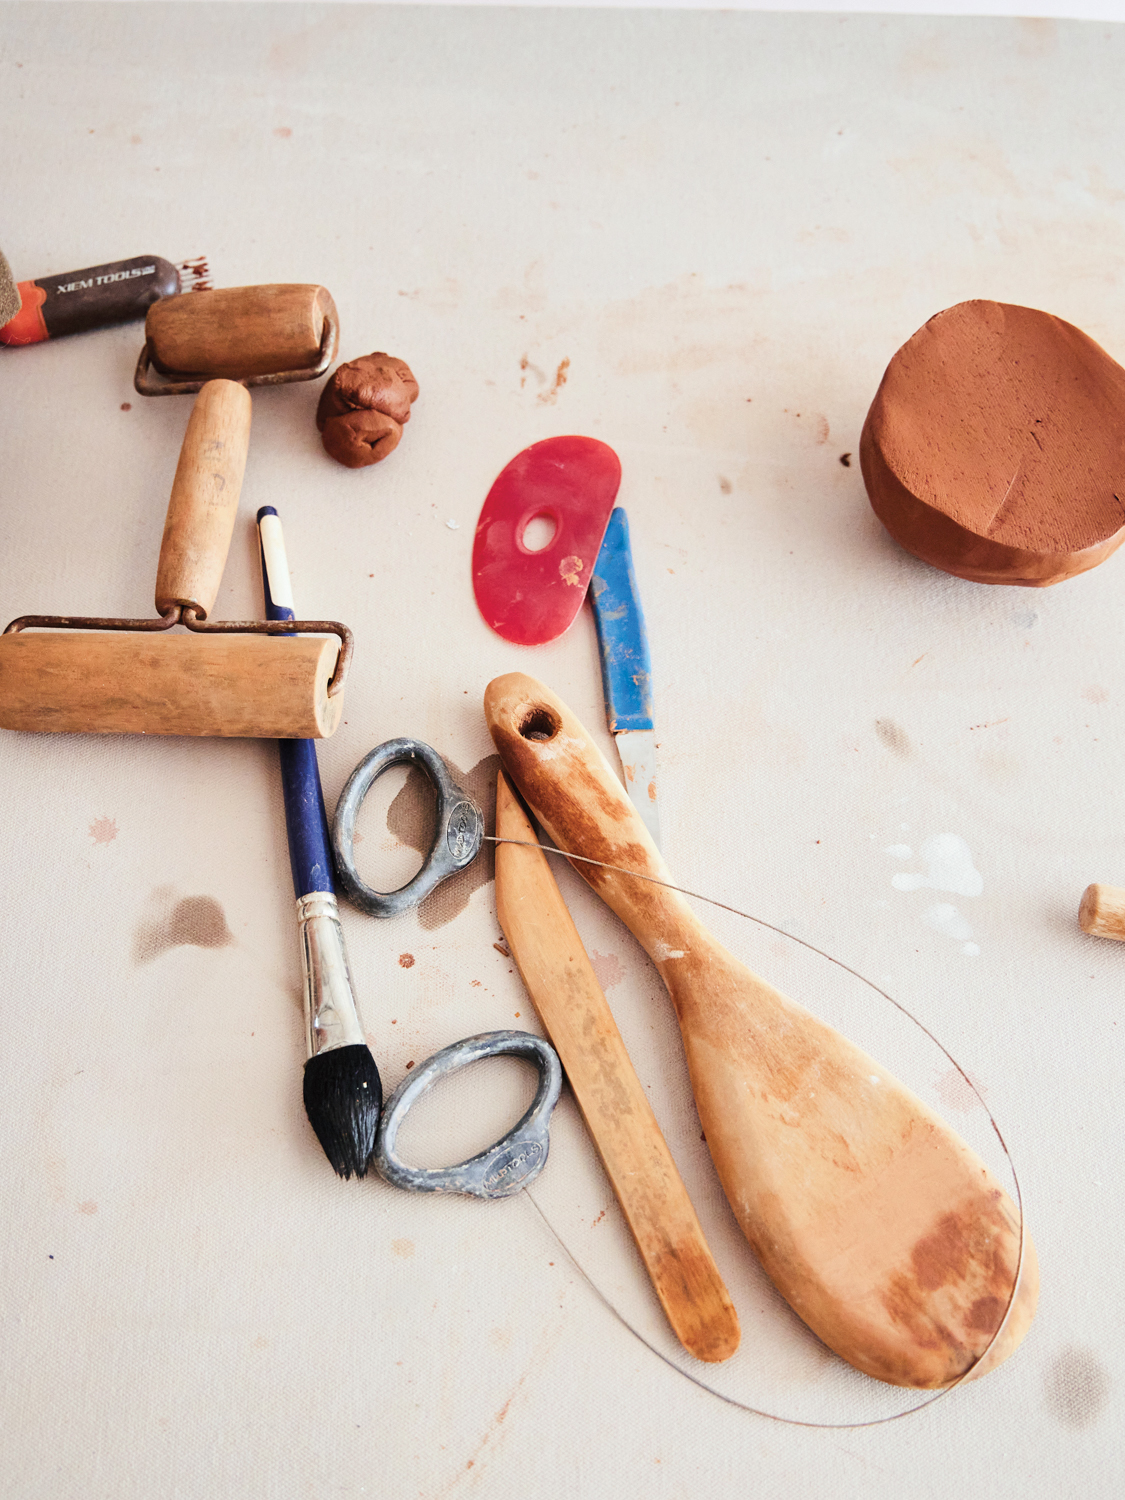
x,y
330,1009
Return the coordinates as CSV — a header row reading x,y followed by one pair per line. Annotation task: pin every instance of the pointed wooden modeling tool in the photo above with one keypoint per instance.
x,y
878,1225
560,980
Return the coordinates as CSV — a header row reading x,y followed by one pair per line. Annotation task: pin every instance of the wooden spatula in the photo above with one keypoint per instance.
x,y
561,981
882,1230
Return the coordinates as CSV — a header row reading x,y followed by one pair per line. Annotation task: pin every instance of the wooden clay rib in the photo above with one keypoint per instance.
x,y
882,1230
561,981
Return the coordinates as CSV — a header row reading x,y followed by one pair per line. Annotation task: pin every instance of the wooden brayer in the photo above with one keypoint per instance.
x,y
258,335
878,1225
223,678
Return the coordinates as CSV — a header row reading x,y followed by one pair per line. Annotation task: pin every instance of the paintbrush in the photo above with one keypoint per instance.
x,y
342,1088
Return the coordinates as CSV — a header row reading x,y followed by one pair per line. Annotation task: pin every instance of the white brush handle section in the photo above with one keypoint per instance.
x,y
276,560
204,501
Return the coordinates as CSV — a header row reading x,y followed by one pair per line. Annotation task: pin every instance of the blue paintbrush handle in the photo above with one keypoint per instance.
x,y
305,818
626,668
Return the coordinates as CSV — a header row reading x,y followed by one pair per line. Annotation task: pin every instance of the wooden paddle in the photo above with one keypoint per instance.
x,y
560,980
882,1230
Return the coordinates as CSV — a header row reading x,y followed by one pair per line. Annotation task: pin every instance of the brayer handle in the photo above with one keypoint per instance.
x,y
201,512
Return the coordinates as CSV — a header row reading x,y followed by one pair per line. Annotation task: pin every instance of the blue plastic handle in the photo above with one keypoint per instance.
x,y
626,667
305,817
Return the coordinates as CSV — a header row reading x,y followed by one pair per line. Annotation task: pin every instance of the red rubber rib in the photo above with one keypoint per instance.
x,y
532,597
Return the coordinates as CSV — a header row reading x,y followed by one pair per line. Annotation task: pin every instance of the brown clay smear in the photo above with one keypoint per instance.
x,y
193,921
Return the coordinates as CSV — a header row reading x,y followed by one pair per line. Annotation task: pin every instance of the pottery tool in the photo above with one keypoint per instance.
x,y
342,1089
561,981
97,297
530,596
259,335
458,827
882,1230
1102,911
502,1168
118,676
995,446
9,293
626,668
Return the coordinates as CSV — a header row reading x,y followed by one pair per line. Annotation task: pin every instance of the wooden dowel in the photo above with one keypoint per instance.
x,y
1102,912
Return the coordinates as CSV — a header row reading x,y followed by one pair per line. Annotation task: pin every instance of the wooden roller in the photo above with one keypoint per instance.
x,y
243,332
246,686
882,1230
109,678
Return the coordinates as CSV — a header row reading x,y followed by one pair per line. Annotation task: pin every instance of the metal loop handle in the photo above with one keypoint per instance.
x,y
503,1168
457,840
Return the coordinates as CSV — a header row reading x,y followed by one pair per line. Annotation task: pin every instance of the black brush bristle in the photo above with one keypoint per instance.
x,y
343,1097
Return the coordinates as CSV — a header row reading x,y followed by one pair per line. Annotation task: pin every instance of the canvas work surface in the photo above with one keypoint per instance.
x,y
698,238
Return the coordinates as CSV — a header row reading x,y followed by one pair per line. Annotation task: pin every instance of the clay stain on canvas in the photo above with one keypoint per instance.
x,y
174,922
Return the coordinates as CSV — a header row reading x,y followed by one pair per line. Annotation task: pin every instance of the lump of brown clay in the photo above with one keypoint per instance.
x,y
995,446
363,408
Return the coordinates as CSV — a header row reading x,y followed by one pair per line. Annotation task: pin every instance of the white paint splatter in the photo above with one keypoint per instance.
x,y
949,867
899,851
661,952
946,919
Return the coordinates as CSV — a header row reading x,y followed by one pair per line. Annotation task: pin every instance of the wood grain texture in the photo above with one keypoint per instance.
x,y
117,682
995,446
882,1230
204,499
239,332
561,982
1102,911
